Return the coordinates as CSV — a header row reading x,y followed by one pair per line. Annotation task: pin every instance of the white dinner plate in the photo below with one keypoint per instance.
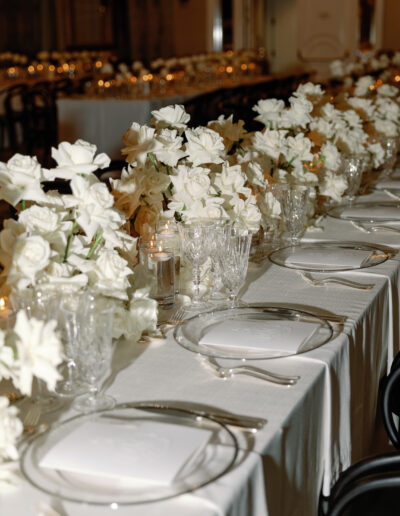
x,y
93,476
330,256
255,332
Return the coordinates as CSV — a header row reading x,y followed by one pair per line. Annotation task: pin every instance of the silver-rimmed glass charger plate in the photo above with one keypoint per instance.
x,y
144,435
385,211
330,256
253,332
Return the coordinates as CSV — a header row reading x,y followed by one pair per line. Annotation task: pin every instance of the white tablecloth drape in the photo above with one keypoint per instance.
x,y
315,429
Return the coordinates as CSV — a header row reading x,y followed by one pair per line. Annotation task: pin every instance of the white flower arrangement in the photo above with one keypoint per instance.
x,y
186,174
62,242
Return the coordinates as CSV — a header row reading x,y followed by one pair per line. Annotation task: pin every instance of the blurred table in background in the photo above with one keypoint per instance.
x,y
103,121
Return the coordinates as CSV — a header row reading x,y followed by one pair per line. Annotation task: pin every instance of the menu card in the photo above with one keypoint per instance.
x,y
141,451
325,258
274,335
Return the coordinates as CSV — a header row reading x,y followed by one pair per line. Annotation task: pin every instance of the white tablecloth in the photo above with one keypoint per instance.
x,y
103,121
315,429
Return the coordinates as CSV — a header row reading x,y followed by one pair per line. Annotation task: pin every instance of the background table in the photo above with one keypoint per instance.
x,y
103,121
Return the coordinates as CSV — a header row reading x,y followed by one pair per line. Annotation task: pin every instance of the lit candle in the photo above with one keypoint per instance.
x,y
160,265
5,311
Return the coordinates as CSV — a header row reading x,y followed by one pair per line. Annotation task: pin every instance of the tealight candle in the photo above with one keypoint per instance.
x,y
167,238
160,265
5,312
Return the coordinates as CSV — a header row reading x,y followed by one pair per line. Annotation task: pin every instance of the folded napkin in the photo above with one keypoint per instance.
x,y
339,258
143,450
281,336
372,212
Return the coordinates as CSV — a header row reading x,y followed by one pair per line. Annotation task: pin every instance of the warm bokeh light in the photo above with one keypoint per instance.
x,y
51,68
40,67
229,69
169,76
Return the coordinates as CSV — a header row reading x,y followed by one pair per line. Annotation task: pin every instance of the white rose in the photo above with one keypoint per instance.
x,y
269,111
139,142
11,429
110,275
31,255
20,179
40,219
204,146
333,185
171,116
39,351
77,158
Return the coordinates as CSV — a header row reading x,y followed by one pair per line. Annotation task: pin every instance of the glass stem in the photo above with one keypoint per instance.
x,y
196,283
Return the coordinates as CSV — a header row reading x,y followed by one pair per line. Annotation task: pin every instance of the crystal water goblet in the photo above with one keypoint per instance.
x,y
217,242
390,147
352,170
94,349
43,305
195,236
293,199
234,258
71,306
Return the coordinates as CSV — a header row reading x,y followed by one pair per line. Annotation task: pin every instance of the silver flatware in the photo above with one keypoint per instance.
x,y
245,422
374,228
392,194
255,372
320,282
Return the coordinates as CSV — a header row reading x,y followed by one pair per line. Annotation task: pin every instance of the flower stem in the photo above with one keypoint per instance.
x,y
99,239
23,205
69,238
153,160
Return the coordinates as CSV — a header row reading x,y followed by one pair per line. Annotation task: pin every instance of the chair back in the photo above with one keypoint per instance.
x,y
16,117
390,403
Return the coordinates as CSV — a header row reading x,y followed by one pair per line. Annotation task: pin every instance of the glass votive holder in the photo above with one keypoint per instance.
x,y
167,238
160,264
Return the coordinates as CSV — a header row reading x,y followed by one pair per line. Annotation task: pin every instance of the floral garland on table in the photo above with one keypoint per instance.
x,y
182,173
222,171
66,243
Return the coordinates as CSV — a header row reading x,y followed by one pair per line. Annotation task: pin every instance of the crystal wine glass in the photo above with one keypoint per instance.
x,y
94,348
196,238
234,259
293,200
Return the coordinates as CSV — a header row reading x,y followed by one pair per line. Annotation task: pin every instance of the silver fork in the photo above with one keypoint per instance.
x,y
262,374
374,228
31,418
340,281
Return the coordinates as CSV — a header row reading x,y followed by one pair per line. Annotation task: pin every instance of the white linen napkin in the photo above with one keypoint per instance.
x,y
372,212
257,335
145,450
323,258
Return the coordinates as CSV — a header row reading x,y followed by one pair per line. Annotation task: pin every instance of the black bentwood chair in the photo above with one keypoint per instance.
x,y
371,487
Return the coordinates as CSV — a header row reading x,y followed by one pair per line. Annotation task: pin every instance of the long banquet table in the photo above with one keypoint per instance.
x,y
315,429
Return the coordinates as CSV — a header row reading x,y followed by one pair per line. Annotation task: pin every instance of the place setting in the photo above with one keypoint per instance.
x,y
131,454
